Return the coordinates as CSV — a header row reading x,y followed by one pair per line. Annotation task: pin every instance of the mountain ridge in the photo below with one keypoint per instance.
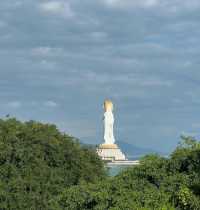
x,y
133,152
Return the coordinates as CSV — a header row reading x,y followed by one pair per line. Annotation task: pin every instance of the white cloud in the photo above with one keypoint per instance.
x,y
50,104
61,8
46,51
14,104
48,65
131,79
168,7
41,50
131,3
17,3
98,35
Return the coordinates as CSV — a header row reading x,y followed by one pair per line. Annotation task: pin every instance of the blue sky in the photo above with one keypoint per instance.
x,y
59,60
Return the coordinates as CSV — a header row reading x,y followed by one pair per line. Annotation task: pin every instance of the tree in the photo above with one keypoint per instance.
x,y
158,183
37,162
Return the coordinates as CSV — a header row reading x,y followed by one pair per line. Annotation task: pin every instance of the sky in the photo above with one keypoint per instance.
x,y
60,59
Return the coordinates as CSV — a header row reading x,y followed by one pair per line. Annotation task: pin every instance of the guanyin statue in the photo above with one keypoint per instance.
x,y
108,122
109,151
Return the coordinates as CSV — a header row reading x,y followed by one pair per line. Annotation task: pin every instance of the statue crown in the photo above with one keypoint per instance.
x,y
108,105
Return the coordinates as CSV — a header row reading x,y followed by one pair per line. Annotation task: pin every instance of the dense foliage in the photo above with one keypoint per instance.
x,y
156,184
37,162
43,169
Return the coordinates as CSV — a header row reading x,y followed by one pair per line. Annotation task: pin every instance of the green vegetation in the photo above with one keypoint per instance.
x,y
37,162
156,184
43,169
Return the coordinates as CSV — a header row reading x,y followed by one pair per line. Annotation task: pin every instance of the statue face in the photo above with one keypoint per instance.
x,y
108,105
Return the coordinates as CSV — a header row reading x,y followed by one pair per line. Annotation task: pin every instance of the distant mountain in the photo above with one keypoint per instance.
x,y
133,152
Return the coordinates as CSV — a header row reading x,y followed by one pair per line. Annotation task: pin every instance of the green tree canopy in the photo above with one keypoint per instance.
x,y
158,183
37,162
44,169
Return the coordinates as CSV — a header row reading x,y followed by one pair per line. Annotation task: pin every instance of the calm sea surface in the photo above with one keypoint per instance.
x,y
114,170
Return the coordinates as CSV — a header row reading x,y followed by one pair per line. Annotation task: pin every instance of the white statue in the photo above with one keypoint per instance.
x,y
109,151
108,123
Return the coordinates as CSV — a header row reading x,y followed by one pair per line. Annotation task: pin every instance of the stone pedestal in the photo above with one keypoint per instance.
x,y
110,152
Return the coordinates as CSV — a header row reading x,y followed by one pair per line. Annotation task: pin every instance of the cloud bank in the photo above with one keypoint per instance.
x,y
61,59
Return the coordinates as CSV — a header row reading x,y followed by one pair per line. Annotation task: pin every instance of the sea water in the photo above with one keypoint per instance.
x,y
114,170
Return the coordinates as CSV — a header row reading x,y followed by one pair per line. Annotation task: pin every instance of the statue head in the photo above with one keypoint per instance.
x,y
108,105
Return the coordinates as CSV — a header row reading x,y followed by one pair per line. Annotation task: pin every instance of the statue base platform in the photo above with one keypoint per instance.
x,y
110,152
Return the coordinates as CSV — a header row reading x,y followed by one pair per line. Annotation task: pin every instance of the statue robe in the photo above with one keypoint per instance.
x,y
108,128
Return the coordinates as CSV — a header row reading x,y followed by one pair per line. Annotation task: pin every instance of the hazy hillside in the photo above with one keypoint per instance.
x,y
134,152
131,151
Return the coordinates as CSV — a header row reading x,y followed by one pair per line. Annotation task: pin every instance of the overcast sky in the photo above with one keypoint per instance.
x,y
59,60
